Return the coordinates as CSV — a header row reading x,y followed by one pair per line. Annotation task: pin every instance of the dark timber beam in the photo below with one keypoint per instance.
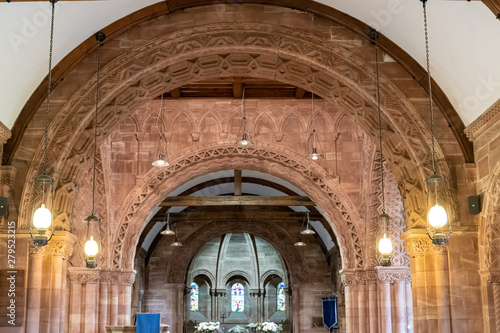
x,y
237,87
299,92
237,201
204,216
237,182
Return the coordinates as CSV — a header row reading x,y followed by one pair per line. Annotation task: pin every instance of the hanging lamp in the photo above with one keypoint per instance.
x,y
299,243
176,242
437,189
168,230
44,184
314,155
308,230
384,244
93,244
161,161
245,140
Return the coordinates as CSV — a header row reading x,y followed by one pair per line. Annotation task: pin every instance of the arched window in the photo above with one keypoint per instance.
x,y
280,295
193,303
237,298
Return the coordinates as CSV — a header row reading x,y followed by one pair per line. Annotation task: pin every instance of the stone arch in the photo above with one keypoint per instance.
x,y
239,274
266,276
264,51
203,274
334,204
293,257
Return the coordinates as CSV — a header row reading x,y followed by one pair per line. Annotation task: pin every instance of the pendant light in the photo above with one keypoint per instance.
x,y
168,230
161,160
314,155
384,244
92,246
299,243
245,140
176,242
44,184
437,193
308,230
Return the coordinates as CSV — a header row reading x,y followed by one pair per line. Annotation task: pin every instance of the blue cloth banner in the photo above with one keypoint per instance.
x,y
148,323
330,311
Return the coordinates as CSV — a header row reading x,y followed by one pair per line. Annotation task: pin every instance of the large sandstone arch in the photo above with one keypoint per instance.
x,y
333,203
264,51
296,263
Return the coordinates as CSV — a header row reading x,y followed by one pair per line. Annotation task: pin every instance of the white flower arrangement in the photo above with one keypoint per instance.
x,y
237,329
207,327
269,327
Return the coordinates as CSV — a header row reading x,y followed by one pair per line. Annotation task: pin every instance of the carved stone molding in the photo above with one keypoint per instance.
x,y
274,160
416,242
5,134
80,275
325,68
394,274
8,174
483,122
35,250
347,278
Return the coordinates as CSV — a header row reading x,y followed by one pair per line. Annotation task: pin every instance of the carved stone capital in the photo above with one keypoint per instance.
x,y
348,278
360,278
438,249
8,173
394,274
33,249
80,275
416,242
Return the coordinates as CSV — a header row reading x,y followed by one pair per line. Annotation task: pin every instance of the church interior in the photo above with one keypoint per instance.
x,y
242,161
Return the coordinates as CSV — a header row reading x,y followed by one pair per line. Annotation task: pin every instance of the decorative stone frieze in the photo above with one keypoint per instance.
x,y
483,122
394,274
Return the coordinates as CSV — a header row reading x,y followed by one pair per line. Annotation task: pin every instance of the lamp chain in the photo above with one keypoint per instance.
x,y
95,122
49,88
431,107
380,128
157,127
313,120
243,110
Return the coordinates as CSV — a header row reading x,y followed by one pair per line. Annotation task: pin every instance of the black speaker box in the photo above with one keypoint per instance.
x,y
474,205
4,207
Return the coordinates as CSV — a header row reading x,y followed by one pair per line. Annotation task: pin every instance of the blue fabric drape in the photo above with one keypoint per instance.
x,y
330,311
148,323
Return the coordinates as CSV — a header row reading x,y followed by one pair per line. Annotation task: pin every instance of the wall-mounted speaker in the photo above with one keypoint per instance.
x,y
474,204
4,207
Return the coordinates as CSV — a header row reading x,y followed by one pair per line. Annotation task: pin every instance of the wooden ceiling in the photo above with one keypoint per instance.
x,y
232,87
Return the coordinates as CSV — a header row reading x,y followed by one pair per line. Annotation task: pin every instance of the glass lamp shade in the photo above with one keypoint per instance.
x,y
300,243
176,243
437,216
314,155
385,245
168,230
42,219
161,162
245,141
308,230
91,247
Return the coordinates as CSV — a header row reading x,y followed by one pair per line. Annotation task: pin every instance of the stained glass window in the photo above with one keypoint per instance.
x,y
237,298
280,291
193,297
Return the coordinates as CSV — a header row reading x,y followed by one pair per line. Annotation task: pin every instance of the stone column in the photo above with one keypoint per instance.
x,y
348,281
372,278
296,308
35,271
393,298
361,302
61,249
439,254
490,283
